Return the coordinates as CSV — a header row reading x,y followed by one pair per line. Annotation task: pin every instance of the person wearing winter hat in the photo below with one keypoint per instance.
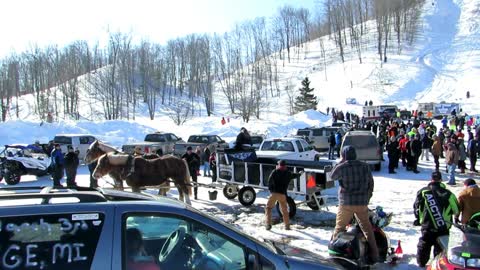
x,y
71,165
356,188
58,165
469,201
193,161
278,184
433,209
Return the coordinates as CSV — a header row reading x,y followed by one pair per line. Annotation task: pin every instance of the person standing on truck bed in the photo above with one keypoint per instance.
x,y
243,139
193,161
278,185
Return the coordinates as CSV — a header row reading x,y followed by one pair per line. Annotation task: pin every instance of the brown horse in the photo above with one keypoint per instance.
x,y
147,172
98,148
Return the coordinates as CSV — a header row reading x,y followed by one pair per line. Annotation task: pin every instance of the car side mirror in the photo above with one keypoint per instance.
x,y
252,262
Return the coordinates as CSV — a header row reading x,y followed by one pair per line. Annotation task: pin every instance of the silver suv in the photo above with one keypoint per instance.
x,y
79,229
366,145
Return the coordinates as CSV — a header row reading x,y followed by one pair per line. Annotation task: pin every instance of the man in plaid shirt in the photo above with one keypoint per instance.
x,y
356,188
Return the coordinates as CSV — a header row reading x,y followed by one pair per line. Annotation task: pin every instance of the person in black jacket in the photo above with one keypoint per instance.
x,y
331,146
433,208
71,165
278,185
243,139
193,161
414,150
393,151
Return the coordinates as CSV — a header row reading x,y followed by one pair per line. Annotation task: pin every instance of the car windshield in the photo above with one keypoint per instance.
x,y
265,243
62,140
277,146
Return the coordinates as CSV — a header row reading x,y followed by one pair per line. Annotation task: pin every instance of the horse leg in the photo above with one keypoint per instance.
x,y
183,196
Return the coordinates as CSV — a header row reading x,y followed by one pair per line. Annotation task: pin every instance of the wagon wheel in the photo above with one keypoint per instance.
x,y
247,196
12,178
312,204
291,206
230,191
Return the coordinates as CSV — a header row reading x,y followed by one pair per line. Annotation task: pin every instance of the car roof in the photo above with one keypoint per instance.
x,y
73,135
287,139
83,195
360,133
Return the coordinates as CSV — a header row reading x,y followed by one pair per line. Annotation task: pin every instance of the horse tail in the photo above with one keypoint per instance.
x,y
187,180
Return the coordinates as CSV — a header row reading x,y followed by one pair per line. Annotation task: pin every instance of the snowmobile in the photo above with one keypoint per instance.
x,y
22,159
350,249
460,249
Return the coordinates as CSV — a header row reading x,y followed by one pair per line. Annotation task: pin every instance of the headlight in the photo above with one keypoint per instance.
x,y
456,259
473,263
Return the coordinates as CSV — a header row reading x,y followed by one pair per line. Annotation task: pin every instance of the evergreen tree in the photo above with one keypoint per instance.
x,y
306,100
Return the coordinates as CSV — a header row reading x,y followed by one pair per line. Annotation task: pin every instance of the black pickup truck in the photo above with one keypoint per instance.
x,y
202,141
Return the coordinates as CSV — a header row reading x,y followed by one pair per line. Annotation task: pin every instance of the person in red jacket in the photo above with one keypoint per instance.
x,y
403,149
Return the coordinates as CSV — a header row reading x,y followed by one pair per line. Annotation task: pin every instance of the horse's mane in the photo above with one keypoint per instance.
x,y
104,147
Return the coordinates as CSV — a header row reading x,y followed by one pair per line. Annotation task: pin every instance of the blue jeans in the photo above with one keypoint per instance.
x,y
451,171
206,168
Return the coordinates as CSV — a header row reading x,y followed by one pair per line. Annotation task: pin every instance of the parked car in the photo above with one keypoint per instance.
x,y
202,141
287,148
22,159
82,228
158,142
78,141
318,137
366,145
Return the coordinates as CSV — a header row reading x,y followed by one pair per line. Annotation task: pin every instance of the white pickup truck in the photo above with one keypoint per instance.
x,y
287,148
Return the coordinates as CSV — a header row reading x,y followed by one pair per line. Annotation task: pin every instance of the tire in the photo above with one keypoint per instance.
x,y
230,191
247,196
312,204
12,178
377,167
292,208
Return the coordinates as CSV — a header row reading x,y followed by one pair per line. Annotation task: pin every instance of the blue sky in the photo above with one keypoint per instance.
x,y
42,22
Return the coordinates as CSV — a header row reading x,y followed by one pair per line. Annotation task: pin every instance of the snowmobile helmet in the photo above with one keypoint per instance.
x,y
349,153
437,176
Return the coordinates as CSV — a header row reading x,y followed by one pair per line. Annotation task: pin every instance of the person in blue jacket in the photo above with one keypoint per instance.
x,y
58,165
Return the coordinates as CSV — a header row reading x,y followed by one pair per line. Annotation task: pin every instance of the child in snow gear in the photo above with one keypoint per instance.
x,y
278,185
71,165
356,189
193,161
58,163
433,208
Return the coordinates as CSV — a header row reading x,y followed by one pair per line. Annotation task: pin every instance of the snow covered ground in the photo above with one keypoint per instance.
x,y
442,65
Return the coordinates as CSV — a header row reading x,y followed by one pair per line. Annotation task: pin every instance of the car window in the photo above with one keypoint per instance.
x,y
278,146
303,132
173,137
257,139
299,146
85,140
155,138
52,241
306,146
62,140
361,141
167,242
318,132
